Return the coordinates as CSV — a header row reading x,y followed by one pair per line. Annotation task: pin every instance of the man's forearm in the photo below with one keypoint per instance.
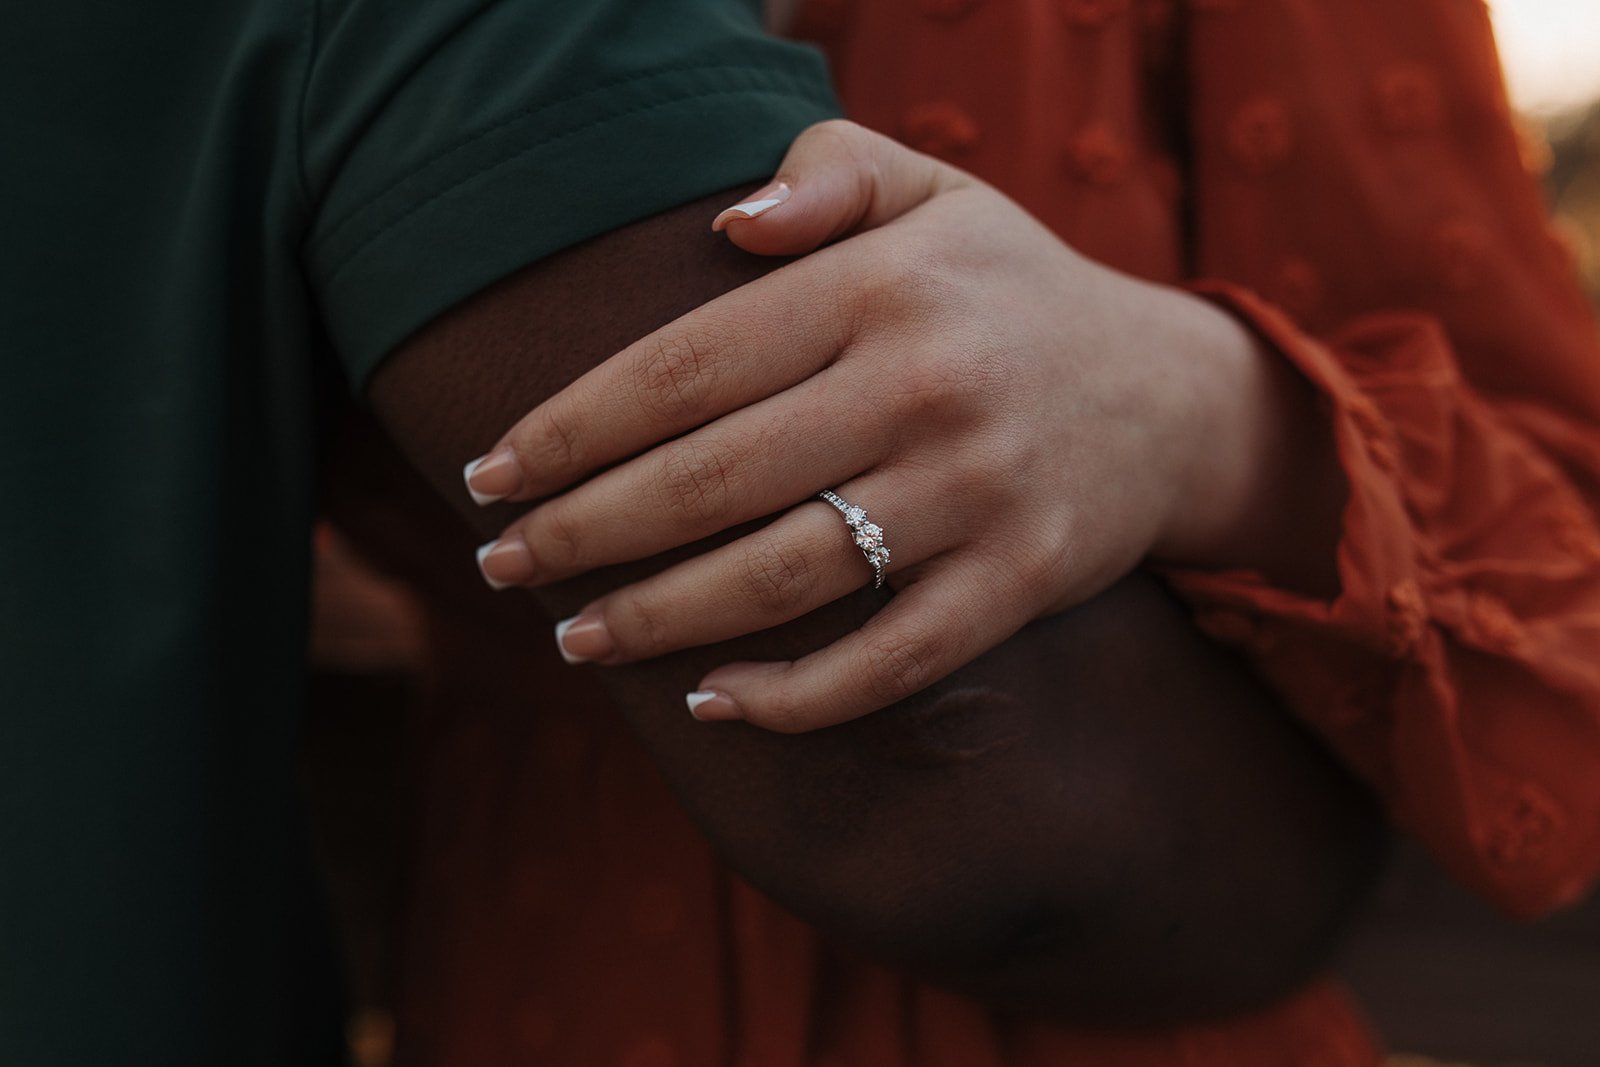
x,y
1086,821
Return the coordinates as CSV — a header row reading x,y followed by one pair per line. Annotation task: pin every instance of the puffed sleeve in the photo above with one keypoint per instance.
x,y
1362,191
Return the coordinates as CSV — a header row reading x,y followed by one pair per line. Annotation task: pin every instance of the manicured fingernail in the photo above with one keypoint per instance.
x,y
708,705
492,477
759,204
581,640
505,563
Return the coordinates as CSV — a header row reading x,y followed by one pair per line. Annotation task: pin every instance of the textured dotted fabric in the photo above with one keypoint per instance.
x,y
1345,178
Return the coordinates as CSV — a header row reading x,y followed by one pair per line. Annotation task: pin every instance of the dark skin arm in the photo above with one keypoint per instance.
x,y
1105,819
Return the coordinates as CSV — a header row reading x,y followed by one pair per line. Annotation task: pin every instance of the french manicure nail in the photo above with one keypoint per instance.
x,y
492,477
759,204
580,640
708,705
505,563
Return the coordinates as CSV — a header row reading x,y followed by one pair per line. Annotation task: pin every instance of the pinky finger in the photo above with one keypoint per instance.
x,y
925,632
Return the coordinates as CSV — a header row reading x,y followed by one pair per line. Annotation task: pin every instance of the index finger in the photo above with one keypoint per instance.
x,y
744,346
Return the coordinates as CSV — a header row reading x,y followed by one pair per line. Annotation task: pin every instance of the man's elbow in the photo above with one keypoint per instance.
x,y
1056,878
1100,933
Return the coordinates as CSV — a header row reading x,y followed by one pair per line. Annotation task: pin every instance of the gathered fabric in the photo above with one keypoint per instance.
x,y
1348,181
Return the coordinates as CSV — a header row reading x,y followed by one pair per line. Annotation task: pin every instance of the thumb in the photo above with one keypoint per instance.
x,y
838,178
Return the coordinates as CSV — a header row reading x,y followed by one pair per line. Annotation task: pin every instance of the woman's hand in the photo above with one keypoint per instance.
x,y
1024,424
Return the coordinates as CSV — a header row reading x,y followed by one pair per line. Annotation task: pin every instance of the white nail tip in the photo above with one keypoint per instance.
x,y
478,498
561,631
698,697
484,550
754,207
751,208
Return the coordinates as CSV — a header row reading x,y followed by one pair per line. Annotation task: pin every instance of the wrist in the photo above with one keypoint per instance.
x,y
1261,488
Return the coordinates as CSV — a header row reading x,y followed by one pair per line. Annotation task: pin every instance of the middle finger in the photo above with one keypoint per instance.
x,y
742,466
802,560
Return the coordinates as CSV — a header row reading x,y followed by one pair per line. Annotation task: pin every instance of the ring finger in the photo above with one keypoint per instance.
x,y
804,559
744,465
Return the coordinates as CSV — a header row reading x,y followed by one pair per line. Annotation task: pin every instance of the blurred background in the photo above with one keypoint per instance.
x,y
1446,980
1551,53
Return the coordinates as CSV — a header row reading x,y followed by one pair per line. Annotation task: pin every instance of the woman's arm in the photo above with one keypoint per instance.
x,y
1102,818
1438,625
1028,424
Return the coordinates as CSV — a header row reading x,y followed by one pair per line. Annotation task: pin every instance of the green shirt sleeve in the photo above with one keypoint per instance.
x,y
446,145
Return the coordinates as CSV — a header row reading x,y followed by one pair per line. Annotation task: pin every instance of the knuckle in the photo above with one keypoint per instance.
x,y
835,129
777,579
934,384
996,366
998,471
888,273
637,626
914,270
785,712
893,289
1020,448
843,141
1050,558
897,665
695,479
555,538
904,293
551,442
1029,563
673,375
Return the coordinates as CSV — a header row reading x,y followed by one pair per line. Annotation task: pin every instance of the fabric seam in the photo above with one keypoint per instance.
x,y
311,44
338,227
343,262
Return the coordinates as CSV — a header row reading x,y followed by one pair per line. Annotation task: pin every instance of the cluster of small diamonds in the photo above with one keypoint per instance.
x,y
868,536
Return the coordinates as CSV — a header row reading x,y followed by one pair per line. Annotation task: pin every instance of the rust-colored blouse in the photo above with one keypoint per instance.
x,y
1345,177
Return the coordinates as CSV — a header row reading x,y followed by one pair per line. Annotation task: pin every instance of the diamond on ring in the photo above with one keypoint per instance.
x,y
868,536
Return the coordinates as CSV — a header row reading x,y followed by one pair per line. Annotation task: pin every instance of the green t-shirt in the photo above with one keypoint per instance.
x,y
203,205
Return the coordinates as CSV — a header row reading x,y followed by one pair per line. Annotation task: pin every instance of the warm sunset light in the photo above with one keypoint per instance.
x,y
1551,51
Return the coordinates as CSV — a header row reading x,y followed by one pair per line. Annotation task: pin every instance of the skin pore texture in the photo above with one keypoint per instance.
x,y
1104,820
1069,420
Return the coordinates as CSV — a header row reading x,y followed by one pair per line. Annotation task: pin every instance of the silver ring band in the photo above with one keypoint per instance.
x,y
867,536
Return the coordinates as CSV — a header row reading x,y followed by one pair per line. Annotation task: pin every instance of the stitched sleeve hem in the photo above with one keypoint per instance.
x,y
519,194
